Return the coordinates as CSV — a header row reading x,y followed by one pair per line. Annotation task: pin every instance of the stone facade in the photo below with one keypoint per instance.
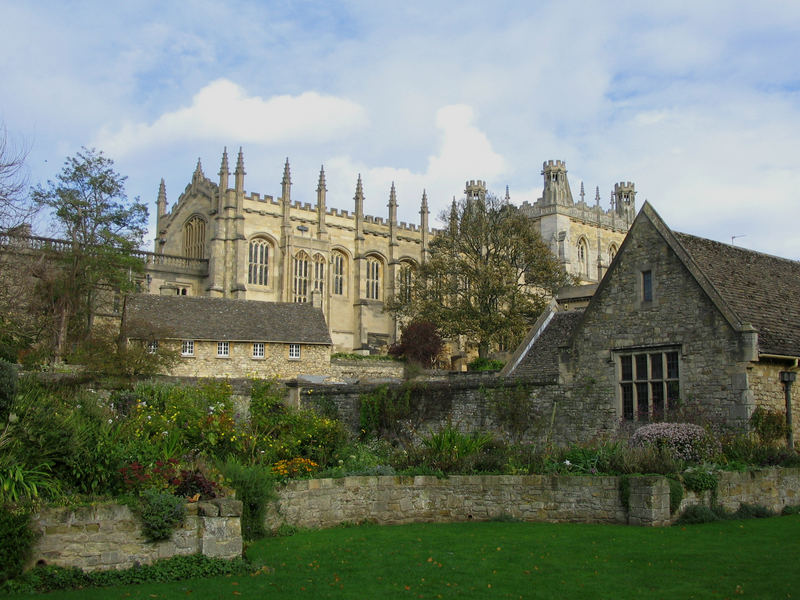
x,y
108,536
220,241
678,324
275,363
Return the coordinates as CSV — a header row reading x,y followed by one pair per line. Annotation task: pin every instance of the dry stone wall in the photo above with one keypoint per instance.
x,y
109,536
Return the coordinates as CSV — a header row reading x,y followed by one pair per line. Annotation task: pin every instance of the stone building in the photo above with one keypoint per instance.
x,y
220,241
584,237
224,337
677,323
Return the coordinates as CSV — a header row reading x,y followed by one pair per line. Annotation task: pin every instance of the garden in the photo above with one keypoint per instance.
x,y
154,446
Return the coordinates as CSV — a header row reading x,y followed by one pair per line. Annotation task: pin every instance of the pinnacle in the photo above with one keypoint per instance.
x,y
240,162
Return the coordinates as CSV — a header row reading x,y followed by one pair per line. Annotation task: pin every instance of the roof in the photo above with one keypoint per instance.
x,y
224,319
762,290
542,345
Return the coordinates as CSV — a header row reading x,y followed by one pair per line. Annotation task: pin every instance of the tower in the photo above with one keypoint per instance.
x,y
625,200
556,186
475,189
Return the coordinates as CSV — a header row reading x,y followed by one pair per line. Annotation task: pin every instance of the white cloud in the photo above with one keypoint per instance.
x,y
223,110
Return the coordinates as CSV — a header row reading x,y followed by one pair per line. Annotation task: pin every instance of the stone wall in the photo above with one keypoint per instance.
x,y
108,536
393,500
471,402
773,488
768,391
366,370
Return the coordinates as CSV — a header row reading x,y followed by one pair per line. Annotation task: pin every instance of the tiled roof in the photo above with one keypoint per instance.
x,y
540,362
760,289
224,319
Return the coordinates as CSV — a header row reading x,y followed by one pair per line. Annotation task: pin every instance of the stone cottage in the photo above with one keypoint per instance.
x,y
677,323
221,337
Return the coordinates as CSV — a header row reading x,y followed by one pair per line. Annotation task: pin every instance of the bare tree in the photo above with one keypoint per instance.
x,y
15,207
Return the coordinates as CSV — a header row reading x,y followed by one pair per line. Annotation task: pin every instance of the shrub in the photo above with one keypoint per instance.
x,y
254,487
451,451
160,513
752,511
686,442
791,510
675,494
8,387
47,578
191,483
18,538
699,513
485,364
420,342
700,479
769,424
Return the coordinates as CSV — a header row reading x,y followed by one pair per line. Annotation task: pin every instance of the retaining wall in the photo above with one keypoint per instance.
x,y
554,498
109,536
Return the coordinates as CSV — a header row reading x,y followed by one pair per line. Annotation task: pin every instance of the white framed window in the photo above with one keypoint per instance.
x,y
373,279
649,382
294,351
223,349
258,258
187,348
152,347
258,350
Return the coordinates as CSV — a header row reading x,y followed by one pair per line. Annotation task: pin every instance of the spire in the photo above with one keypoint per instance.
x,y
423,208
392,201
453,218
423,224
286,190
287,176
161,203
223,168
321,191
321,183
240,173
508,196
597,195
359,198
359,193
583,194
198,171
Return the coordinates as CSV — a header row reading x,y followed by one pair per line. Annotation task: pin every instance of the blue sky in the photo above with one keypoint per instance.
x,y
698,103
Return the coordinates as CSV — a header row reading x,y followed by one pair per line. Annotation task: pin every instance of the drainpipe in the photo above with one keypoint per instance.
x,y
787,378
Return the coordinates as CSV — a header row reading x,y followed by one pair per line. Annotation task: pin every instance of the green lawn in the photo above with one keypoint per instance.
x,y
731,559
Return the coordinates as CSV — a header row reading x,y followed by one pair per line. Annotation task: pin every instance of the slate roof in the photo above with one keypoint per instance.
x,y
540,362
760,289
224,319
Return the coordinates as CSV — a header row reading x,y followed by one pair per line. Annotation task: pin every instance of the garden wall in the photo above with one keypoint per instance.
x,y
555,498
471,402
109,536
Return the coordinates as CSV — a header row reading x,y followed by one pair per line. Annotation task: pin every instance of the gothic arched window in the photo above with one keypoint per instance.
x,y
194,238
319,273
339,263
258,262
405,279
583,257
373,278
300,287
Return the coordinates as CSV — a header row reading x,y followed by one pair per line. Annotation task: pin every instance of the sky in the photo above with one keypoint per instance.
x,y
697,103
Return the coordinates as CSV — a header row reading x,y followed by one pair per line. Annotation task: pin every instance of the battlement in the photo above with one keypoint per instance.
x,y
551,164
624,185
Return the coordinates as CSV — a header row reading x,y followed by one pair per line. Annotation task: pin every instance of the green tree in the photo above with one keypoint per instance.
x,y
104,228
488,276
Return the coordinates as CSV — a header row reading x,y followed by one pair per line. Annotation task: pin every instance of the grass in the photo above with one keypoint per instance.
x,y
731,559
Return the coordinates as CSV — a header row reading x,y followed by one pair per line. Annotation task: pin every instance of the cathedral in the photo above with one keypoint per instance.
x,y
221,241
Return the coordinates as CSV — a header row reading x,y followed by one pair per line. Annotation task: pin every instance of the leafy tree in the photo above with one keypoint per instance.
x,y
92,212
488,276
420,342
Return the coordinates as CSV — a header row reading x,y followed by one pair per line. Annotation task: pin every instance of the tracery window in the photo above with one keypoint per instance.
x,y
258,261
404,282
338,273
373,278
319,273
194,238
300,286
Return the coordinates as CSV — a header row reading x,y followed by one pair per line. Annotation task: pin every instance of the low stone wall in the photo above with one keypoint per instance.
x,y
109,536
773,488
366,369
554,498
